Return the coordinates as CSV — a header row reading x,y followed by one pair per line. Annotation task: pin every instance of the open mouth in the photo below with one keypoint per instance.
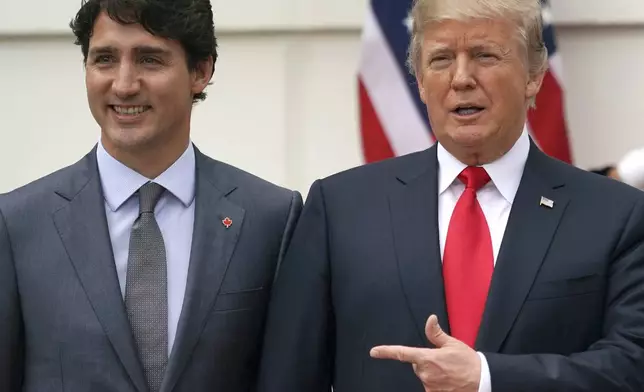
x,y
131,111
467,110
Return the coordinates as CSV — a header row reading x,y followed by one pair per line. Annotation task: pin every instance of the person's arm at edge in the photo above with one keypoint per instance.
x,y
11,328
298,342
293,217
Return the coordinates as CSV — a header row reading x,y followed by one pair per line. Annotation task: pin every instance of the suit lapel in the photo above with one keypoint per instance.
x,y
414,214
212,248
82,227
527,237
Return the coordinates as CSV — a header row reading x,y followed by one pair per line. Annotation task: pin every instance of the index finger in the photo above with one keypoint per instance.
x,y
398,353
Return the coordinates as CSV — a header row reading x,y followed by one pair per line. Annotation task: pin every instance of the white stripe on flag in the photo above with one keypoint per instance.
x,y
546,15
403,125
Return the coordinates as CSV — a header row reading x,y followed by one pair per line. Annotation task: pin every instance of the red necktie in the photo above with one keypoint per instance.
x,y
468,260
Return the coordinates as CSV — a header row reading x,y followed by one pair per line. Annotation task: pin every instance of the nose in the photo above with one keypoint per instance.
x,y
463,77
126,82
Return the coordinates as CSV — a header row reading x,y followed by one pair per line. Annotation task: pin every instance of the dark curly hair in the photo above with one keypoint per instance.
x,y
190,22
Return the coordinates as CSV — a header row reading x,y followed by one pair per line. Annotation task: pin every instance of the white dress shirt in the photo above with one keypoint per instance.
x,y
174,214
495,198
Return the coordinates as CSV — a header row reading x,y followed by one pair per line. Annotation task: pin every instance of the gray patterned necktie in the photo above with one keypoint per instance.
x,y
146,289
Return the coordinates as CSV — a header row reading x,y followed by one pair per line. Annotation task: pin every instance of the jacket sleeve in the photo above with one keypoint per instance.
x,y
298,343
11,335
294,212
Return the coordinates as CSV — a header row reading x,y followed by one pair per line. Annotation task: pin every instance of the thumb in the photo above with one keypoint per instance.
x,y
435,333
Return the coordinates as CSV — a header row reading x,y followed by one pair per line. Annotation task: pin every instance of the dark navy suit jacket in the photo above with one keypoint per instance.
x,y
565,311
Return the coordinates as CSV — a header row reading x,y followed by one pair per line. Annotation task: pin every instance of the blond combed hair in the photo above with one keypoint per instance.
x,y
525,13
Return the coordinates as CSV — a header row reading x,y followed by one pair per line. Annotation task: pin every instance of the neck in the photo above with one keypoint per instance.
x,y
477,158
479,155
149,161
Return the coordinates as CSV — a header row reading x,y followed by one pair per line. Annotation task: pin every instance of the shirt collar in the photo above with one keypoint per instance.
x,y
505,172
120,182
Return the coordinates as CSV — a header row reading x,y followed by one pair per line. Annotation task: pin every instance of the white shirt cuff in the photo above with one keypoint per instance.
x,y
485,385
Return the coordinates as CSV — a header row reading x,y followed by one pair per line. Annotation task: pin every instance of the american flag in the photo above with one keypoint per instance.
x,y
393,120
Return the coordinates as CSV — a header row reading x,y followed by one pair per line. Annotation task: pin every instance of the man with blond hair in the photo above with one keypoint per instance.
x,y
479,264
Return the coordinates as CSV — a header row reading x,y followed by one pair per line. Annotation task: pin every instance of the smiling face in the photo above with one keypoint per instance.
x,y
140,89
473,77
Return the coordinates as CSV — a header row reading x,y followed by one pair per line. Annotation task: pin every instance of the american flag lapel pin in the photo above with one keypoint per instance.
x,y
227,222
545,202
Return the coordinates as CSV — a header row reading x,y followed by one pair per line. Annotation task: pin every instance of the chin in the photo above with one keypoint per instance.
x,y
128,138
471,135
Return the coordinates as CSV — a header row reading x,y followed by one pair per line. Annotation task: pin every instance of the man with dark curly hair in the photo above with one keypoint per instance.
x,y
146,265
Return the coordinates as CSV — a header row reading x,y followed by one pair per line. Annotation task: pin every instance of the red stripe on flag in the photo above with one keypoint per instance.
x,y
375,145
548,122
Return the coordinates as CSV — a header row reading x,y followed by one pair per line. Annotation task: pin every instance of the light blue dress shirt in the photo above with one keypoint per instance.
x,y
174,213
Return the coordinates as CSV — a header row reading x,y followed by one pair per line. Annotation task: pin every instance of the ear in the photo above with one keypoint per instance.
x,y
202,75
534,85
421,88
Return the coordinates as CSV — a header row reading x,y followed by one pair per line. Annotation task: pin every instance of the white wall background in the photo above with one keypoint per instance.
x,y
283,103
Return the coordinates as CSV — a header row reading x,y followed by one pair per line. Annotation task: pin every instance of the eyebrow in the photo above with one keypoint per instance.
x,y
437,50
101,50
138,49
486,46
442,48
151,50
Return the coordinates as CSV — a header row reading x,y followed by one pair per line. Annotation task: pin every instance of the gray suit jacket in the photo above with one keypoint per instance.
x,y
63,325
